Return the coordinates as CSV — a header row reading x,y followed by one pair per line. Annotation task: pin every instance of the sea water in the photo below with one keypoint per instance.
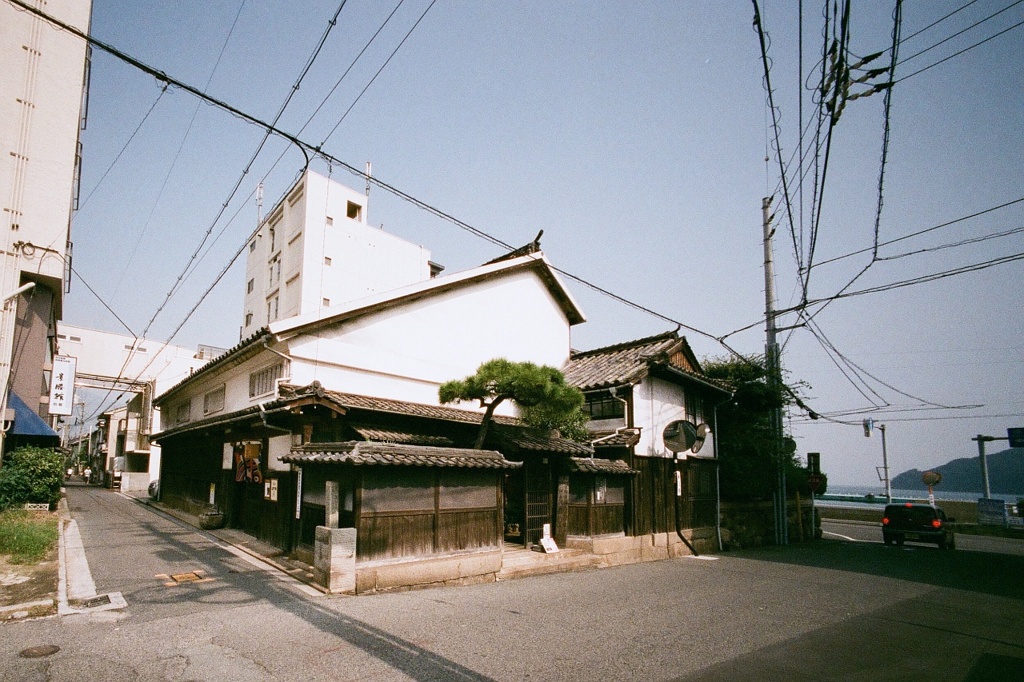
x,y
902,494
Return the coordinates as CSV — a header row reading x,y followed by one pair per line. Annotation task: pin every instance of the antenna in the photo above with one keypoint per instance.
x,y
259,204
369,169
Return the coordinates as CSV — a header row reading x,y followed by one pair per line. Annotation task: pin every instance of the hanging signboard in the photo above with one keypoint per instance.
x,y
62,385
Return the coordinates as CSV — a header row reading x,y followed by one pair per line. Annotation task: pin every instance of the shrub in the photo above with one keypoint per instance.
x,y
31,474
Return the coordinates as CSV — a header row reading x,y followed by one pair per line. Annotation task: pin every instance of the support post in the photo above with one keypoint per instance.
x,y
885,466
984,463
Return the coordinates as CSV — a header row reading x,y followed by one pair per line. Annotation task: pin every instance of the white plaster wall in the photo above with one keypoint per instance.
x,y
406,352
656,403
236,390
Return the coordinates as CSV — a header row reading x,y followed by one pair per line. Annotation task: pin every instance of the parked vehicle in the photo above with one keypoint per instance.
x,y
917,523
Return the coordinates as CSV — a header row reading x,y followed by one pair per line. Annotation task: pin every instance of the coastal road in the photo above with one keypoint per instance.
x,y
826,610
859,531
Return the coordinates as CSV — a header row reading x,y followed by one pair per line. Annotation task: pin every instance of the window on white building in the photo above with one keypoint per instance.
x,y
354,211
181,413
213,401
261,382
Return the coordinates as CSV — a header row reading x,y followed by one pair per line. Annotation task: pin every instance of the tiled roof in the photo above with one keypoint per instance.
x,y
405,438
402,407
537,441
363,453
624,438
618,365
627,363
600,466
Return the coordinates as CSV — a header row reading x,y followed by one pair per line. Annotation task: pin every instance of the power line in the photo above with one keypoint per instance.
x,y
961,32
924,231
960,52
131,137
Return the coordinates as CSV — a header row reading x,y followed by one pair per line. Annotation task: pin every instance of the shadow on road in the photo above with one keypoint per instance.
x,y
236,582
994,574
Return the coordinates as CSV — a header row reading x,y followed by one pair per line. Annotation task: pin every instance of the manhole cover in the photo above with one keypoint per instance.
x,y
173,579
39,651
184,577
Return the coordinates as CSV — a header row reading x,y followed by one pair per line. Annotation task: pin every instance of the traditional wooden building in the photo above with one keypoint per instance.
x,y
633,391
309,393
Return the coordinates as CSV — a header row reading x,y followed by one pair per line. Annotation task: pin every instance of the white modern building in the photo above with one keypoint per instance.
x,y
43,79
316,250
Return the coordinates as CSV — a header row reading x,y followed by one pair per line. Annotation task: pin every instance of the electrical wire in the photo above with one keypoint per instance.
x,y
960,52
960,32
82,204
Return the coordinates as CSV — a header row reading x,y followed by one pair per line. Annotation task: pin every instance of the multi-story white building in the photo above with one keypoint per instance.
x,y
315,250
42,89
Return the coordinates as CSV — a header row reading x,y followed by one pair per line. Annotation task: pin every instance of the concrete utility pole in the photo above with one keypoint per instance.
x,y
774,370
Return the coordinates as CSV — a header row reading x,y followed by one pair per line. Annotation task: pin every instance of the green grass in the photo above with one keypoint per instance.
x,y
26,537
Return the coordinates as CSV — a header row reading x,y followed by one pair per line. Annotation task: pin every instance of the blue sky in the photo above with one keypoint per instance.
x,y
635,135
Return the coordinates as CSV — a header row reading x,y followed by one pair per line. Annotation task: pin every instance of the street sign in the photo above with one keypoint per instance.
x,y
931,478
1016,437
62,385
814,482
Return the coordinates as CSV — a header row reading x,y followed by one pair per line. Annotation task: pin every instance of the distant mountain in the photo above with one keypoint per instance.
x,y
1005,474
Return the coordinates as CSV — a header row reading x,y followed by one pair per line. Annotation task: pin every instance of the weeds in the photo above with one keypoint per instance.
x,y
26,537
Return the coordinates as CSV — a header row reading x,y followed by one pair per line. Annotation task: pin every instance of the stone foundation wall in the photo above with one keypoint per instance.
x,y
622,549
464,569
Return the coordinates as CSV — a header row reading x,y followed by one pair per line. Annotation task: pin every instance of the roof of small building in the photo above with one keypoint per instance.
x,y
364,453
600,466
625,364
403,437
533,440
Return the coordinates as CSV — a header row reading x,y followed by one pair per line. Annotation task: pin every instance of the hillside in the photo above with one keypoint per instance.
x,y
1005,474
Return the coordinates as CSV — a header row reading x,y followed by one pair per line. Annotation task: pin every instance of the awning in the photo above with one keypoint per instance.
x,y
26,421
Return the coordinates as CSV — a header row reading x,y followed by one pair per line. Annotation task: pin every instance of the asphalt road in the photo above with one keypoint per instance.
x,y
836,609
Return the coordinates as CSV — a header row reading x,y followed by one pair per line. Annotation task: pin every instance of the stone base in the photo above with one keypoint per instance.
x,y
623,549
334,559
462,569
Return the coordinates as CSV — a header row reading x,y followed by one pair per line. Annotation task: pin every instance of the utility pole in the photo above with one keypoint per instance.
x,y
774,370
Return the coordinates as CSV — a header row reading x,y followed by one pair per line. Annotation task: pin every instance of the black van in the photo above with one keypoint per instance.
x,y
917,523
